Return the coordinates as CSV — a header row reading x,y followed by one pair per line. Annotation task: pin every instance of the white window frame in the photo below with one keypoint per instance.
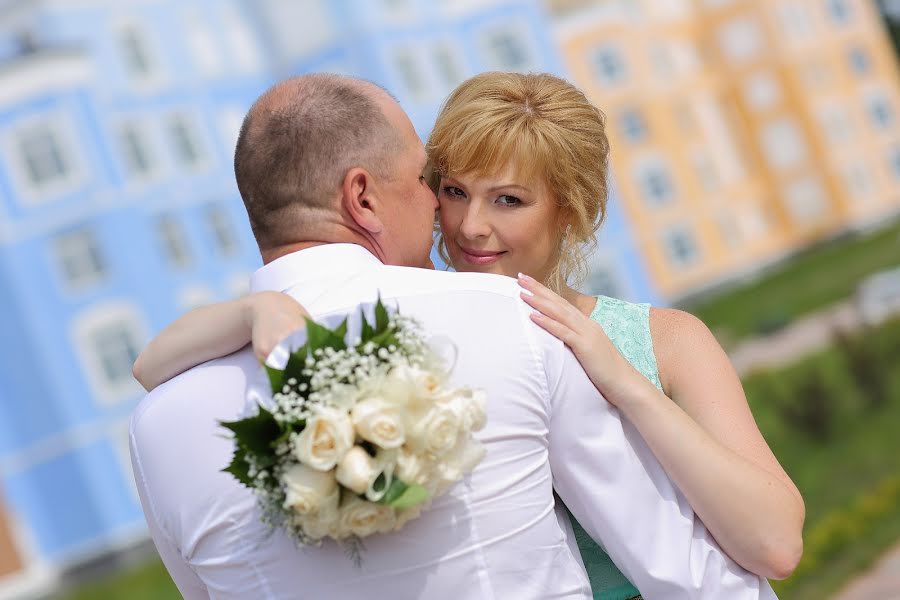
x,y
642,169
619,74
205,50
164,226
676,261
220,226
741,40
63,131
138,125
84,248
806,200
783,143
516,31
83,328
156,76
195,138
413,76
241,40
762,90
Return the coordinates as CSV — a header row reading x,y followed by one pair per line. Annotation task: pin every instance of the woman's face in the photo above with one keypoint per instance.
x,y
499,225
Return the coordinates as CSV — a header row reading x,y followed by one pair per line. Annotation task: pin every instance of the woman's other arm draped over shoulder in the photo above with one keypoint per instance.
x,y
209,332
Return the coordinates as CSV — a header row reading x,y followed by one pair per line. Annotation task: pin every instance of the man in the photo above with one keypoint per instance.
x,y
331,172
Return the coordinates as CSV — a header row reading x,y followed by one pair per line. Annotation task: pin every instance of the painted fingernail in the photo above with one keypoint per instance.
x,y
527,293
524,276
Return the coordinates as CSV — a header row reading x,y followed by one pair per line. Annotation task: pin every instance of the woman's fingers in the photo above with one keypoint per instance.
x,y
556,329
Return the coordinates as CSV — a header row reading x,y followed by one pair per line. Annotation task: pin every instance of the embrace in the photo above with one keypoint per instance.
x,y
622,460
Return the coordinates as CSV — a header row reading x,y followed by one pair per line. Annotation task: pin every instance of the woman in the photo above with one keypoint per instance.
x,y
521,163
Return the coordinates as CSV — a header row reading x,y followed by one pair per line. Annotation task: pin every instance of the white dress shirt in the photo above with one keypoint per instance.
x,y
495,535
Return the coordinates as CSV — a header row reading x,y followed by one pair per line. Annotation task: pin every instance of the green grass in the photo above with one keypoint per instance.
x,y
811,281
143,582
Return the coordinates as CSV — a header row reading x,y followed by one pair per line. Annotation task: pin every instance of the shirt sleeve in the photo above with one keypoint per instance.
x,y
188,583
613,484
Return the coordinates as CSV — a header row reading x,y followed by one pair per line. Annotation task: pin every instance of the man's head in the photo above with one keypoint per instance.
x,y
329,159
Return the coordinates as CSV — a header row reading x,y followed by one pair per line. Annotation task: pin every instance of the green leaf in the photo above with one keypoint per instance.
x,y
393,492
381,316
239,467
367,332
276,378
322,337
257,433
413,495
341,330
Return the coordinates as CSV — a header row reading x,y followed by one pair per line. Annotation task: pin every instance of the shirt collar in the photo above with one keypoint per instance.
x,y
288,270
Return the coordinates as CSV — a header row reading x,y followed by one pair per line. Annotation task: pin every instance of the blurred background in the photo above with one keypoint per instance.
x,y
756,163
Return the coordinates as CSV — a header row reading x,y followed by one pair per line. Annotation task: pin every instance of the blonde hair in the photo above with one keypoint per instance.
x,y
546,129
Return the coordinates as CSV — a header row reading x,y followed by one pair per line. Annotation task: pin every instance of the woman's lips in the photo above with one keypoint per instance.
x,y
480,257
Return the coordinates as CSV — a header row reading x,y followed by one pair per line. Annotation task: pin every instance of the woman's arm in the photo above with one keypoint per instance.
x,y
706,440
264,318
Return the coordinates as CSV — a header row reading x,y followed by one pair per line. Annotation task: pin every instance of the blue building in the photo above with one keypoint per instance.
x,y
118,210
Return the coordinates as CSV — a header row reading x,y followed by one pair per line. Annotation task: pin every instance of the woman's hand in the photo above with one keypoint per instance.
x,y
613,376
271,317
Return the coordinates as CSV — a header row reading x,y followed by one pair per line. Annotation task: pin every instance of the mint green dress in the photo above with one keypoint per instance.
x,y
628,327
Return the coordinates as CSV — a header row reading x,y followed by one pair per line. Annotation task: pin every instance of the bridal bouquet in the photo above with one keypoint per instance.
x,y
356,437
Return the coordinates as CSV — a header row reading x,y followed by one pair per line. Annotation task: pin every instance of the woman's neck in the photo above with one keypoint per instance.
x,y
582,302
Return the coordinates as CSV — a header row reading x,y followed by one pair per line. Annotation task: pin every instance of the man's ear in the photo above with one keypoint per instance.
x,y
360,200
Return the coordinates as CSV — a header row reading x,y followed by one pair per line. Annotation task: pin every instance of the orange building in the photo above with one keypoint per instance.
x,y
741,130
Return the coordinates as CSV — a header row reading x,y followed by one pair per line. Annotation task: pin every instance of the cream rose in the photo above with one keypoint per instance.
x,y
362,518
413,468
325,439
436,432
357,470
379,422
307,491
406,383
471,405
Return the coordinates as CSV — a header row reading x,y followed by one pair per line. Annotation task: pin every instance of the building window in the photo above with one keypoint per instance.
x,y
43,154
609,66
222,231
761,91
186,142
655,183
783,144
605,280
81,261
740,40
203,47
410,73
681,247
795,21
108,338
859,60
881,114
806,200
894,161
136,53
632,125
858,182
136,151
173,241
508,51
447,65
839,11
835,124
243,43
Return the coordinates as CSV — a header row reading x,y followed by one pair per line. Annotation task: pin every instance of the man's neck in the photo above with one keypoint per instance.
x,y
279,251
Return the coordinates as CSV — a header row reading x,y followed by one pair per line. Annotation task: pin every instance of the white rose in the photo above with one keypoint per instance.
x,y
357,470
325,439
379,422
412,467
325,521
436,432
307,491
472,408
362,518
408,382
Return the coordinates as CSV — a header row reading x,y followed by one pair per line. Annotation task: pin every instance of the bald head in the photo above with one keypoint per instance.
x,y
297,143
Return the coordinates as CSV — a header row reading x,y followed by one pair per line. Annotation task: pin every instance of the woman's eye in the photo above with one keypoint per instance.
x,y
453,191
508,200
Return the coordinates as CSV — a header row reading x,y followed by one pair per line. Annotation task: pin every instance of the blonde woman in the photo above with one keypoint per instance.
x,y
521,173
